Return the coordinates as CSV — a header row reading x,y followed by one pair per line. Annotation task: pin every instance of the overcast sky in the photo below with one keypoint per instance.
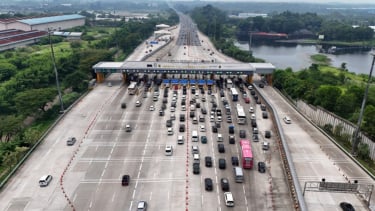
x,y
308,1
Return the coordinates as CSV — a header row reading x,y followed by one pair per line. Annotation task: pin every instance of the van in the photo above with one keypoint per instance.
x,y
194,136
180,140
228,198
219,137
45,180
238,174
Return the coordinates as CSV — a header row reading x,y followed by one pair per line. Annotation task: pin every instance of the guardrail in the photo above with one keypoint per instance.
x,y
291,174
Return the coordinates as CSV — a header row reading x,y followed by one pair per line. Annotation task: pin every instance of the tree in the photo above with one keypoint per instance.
x,y
9,126
369,121
29,101
7,70
326,96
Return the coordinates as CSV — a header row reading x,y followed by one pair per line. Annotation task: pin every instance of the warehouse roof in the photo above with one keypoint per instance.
x,y
37,21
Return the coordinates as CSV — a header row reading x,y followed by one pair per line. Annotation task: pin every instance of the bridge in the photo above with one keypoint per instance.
x,y
184,68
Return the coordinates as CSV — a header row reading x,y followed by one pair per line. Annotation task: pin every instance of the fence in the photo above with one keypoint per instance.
x,y
322,117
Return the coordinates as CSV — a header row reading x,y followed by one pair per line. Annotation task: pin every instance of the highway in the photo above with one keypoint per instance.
x,y
87,175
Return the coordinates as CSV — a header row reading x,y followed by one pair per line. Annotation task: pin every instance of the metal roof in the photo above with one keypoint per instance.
x,y
184,67
37,21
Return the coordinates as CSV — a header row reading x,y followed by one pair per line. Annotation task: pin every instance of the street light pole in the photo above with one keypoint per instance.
x,y
355,138
56,73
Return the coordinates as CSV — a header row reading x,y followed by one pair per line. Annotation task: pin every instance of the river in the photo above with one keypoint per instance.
x,y
297,57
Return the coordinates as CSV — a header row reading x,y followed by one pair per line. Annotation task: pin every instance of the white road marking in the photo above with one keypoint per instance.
x,y
113,197
150,196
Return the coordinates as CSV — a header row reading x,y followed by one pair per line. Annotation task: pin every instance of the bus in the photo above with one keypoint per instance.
x,y
234,94
241,115
246,154
132,88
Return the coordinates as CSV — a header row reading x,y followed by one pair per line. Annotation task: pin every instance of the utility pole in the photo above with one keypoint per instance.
x,y
355,138
56,73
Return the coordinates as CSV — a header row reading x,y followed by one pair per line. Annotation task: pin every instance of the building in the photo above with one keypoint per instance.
x,y
13,38
55,23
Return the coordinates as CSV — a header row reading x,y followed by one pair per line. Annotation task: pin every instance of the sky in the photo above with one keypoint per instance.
x,y
308,1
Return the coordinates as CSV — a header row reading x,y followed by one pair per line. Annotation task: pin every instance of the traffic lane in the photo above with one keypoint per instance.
x,y
320,165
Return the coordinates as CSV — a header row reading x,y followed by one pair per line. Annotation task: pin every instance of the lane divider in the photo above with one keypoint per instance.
x,y
77,150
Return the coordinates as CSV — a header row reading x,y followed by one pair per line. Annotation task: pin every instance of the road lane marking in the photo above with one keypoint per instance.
x,y
113,197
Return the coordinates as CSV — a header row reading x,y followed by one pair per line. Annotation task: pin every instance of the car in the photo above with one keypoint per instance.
x,y
214,129
125,180
250,87
345,206
228,199
287,120
195,149
229,119
235,161
128,128
168,123
123,105
221,148
263,107
202,128
219,118
253,123
152,107
255,137
138,103
183,108
109,84
267,134
204,111
247,100
170,131
251,109
222,163
173,109
255,130
172,117
208,184
196,168
265,115
265,145
161,112
204,139
261,85
208,161
261,167
181,128
252,116
71,141
142,206
242,134
180,140
224,184
168,150
45,180
232,139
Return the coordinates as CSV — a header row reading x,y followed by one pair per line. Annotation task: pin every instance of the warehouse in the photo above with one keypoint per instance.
x,y
55,23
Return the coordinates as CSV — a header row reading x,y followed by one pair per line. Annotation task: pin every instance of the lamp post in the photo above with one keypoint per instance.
x,y
56,73
355,138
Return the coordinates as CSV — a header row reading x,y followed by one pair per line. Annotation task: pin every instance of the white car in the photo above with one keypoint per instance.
x,y
252,116
152,108
287,120
170,131
183,108
202,128
219,118
251,110
138,103
168,150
